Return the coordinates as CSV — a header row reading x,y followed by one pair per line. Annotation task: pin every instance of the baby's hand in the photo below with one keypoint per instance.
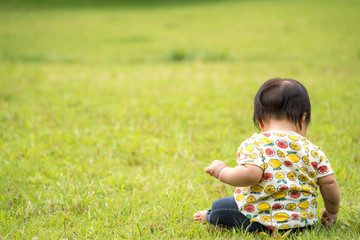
x,y
328,219
215,168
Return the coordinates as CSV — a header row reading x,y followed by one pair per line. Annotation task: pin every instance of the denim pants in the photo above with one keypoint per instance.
x,y
225,212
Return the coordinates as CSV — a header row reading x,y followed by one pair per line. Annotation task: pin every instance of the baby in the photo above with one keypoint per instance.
x,y
279,170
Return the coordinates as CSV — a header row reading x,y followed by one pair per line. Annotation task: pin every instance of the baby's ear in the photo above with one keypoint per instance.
x,y
261,125
303,125
304,117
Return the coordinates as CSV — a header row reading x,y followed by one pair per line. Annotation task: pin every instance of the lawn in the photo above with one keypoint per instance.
x,y
109,112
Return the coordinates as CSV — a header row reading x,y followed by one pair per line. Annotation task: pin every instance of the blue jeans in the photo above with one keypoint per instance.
x,y
225,212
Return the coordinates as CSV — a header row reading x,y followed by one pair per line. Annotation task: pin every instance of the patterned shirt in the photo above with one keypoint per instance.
x,y
286,195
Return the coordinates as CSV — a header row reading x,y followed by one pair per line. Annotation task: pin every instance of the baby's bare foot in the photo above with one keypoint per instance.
x,y
200,216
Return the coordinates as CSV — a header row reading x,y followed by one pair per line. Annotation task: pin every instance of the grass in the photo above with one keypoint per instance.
x,y
110,113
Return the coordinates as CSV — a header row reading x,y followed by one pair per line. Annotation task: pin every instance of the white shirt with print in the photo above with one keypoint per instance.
x,y
286,195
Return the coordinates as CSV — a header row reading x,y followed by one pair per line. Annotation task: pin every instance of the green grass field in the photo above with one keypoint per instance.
x,y
110,112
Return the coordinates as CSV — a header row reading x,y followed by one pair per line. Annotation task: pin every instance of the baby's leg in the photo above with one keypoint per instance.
x,y
200,216
225,212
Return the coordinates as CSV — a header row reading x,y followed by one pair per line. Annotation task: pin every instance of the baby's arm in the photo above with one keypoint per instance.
x,y
331,195
240,176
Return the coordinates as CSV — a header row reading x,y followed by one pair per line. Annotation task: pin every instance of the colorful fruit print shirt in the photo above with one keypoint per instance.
x,y
286,195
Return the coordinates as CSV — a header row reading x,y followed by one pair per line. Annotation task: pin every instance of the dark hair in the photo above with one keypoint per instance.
x,y
282,98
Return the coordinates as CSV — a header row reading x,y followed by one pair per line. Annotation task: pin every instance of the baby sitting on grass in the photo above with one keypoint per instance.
x,y
279,169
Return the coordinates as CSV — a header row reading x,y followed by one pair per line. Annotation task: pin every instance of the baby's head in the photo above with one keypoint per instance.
x,y
282,99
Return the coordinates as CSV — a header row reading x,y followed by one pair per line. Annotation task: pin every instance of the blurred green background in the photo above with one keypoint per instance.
x,y
110,110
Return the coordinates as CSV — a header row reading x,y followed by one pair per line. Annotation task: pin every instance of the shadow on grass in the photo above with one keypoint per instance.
x,y
178,55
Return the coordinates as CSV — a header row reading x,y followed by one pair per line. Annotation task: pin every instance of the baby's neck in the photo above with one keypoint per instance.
x,y
283,125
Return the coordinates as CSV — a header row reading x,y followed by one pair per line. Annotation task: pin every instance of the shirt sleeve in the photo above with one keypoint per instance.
x,y
324,167
250,153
